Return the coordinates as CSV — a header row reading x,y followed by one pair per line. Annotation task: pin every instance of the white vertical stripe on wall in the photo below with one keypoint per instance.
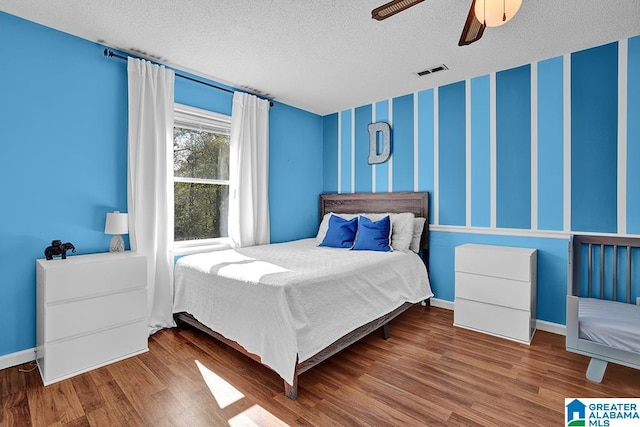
x,y
534,146
353,150
467,102
622,135
390,170
566,155
373,167
492,145
339,151
416,149
436,169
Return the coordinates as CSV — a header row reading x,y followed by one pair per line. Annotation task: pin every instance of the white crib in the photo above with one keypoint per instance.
x,y
603,321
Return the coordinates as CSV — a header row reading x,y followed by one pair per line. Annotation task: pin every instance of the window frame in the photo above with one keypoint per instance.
x,y
188,117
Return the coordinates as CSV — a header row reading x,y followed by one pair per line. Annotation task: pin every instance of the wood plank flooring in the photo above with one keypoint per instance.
x,y
428,373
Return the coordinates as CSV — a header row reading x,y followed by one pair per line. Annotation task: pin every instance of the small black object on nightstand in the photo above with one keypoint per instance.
x,y
58,248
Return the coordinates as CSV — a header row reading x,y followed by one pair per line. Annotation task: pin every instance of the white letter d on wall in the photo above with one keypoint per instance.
x,y
374,156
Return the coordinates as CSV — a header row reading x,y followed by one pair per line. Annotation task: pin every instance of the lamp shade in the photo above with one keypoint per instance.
x,y
494,13
117,223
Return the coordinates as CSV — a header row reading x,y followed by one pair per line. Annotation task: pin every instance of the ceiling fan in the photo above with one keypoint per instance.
x,y
482,14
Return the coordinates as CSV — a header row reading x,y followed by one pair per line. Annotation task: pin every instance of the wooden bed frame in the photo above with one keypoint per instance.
x,y
600,354
416,203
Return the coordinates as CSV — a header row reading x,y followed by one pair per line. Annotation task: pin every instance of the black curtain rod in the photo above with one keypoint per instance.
x,y
111,54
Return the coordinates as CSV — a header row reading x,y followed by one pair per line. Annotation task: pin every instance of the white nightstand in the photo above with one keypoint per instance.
x,y
496,290
91,311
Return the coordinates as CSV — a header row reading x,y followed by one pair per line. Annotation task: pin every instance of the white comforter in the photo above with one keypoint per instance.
x,y
293,299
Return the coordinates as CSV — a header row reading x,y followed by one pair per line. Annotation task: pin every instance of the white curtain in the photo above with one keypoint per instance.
x,y
150,186
249,171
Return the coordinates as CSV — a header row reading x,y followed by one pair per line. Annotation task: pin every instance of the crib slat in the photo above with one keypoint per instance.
x,y
575,257
590,266
602,271
629,274
615,272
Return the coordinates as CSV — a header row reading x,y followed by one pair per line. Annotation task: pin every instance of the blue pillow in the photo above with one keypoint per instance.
x,y
341,232
373,236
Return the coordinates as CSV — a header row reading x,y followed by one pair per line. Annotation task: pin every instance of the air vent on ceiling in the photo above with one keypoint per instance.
x,y
432,70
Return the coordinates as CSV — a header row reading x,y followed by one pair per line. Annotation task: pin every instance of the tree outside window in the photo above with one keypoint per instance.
x,y
201,180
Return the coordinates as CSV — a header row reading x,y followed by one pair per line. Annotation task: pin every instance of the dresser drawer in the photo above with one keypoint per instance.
x,y
67,358
503,321
94,314
494,290
85,276
496,261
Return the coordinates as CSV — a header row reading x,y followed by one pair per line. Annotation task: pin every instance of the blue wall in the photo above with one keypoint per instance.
x,y
594,130
633,138
550,139
513,148
452,175
63,121
480,152
295,172
497,167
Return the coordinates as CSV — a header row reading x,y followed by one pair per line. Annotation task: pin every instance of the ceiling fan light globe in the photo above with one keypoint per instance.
x,y
494,13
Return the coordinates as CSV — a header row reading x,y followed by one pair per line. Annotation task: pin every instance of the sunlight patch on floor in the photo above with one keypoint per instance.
x,y
256,416
224,393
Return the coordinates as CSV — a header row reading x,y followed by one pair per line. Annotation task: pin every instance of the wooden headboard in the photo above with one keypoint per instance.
x,y
351,203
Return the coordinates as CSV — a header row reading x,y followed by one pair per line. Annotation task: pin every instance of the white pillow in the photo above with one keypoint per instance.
x,y
401,231
418,226
401,227
324,224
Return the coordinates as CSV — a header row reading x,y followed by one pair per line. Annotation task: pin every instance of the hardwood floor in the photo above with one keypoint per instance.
x,y
427,373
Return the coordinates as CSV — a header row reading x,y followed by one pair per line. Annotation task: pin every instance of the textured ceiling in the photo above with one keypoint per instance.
x,y
327,55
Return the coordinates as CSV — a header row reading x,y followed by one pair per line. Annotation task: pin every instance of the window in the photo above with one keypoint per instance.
x,y
200,176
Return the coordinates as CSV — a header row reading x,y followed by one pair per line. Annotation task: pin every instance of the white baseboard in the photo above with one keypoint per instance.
x,y
554,328
542,325
17,358
442,303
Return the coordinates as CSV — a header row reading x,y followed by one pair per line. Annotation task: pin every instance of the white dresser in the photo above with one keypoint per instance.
x,y
91,311
495,290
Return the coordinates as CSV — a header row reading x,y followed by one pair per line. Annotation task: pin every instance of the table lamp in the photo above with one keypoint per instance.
x,y
117,224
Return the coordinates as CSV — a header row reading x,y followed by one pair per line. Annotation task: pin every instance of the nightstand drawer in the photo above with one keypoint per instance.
x,y
496,261
494,319
94,314
494,290
76,278
67,358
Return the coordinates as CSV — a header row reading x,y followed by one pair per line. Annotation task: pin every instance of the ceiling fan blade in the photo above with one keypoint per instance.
x,y
391,8
473,29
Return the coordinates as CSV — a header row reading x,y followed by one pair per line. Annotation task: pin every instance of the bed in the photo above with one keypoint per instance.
x,y
602,318
305,302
